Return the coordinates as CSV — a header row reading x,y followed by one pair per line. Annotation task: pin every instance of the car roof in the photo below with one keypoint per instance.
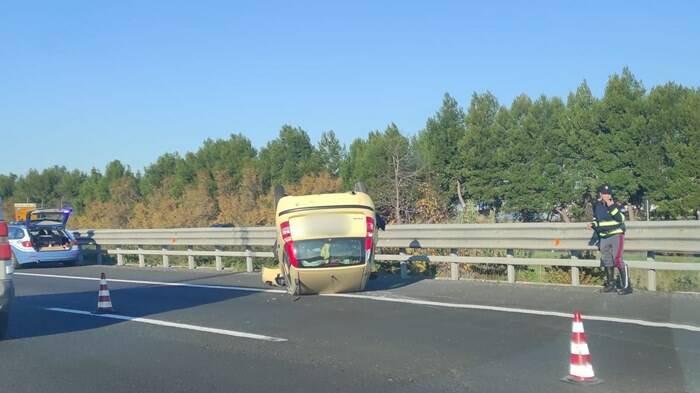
x,y
341,200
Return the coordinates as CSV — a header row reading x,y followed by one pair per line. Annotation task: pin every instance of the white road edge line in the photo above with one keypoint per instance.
x,y
170,284
158,322
628,321
640,322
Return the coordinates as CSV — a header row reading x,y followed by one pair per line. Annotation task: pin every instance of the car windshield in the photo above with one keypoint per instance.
x,y
329,252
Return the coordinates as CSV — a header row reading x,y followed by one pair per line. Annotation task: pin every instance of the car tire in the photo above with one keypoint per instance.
x,y
279,193
360,187
4,321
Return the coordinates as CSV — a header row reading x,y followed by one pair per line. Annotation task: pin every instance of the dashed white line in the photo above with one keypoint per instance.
x,y
158,322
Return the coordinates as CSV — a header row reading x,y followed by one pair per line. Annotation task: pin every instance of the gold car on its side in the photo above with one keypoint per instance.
x,y
325,243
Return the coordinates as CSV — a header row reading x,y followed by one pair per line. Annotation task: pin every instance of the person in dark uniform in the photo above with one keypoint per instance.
x,y
609,224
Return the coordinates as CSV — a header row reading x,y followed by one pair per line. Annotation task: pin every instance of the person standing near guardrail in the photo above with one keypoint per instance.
x,y
609,225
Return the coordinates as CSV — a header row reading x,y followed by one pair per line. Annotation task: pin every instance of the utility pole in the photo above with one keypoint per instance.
x,y
647,209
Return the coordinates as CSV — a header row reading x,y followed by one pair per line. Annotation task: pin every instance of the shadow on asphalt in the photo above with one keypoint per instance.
x,y
385,282
29,317
42,265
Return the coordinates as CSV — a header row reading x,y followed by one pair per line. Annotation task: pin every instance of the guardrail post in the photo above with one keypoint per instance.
x,y
454,271
219,263
511,268
166,257
249,261
142,258
454,268
575,277
404,266
190,258
651,274
120,257
98,250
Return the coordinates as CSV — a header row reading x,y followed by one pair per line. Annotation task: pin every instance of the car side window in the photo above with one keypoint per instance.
x,y
15,233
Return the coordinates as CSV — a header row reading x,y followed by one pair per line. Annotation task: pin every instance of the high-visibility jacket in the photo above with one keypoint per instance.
x,y
608,220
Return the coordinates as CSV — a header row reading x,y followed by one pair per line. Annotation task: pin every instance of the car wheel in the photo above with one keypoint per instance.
x,y
360,187
279,193
4,317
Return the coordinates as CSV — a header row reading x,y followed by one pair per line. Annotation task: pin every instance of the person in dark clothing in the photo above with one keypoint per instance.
x,y
609,225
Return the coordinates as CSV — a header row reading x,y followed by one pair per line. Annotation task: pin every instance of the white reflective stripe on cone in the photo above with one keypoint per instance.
x,y
581,370
579,349
103,293
577,327
104,305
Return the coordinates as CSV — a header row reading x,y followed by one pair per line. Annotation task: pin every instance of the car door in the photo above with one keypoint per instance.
x,y
23,254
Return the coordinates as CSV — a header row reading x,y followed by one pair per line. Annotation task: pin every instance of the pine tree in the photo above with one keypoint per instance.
x,y
331,152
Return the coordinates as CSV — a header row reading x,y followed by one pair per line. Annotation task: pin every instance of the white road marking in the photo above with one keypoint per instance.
x,y
171,324
639,322
628,321
171,284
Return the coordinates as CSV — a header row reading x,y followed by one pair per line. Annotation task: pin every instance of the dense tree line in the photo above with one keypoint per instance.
x,y
538,159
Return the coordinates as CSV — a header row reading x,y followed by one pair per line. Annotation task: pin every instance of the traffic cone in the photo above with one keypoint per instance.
x,y
104,302
580,368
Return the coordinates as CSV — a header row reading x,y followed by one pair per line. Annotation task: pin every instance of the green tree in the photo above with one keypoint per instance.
x,y
534,155
579,176
114,171
331,153
388,164
228,156
164,167
620,121
438,146
667,156
7,185
288,158
483,151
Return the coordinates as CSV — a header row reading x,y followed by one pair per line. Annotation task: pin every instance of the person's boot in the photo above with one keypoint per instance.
x,y
625,284
609,285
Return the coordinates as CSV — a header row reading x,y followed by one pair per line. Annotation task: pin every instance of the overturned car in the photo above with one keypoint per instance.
x,y
325,242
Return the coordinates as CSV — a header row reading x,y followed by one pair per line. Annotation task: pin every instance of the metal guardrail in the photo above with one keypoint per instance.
x,y
649,237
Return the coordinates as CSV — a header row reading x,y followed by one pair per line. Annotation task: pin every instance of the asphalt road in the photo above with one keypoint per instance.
x,y
336,344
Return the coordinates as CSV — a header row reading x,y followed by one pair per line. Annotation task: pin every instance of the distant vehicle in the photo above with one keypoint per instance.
x,y
7,289
21,210
325,243
43,237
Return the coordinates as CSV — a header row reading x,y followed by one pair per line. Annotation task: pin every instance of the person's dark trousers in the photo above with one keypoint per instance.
x,y
609,285
625,283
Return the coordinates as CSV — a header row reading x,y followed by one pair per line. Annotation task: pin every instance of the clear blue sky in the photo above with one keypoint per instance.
x,y
92,81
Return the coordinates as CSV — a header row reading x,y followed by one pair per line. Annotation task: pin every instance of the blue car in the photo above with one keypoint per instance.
x,y
43,238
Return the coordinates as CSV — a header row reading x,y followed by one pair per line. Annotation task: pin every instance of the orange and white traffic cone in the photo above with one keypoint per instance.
x,y
580,368
104,302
